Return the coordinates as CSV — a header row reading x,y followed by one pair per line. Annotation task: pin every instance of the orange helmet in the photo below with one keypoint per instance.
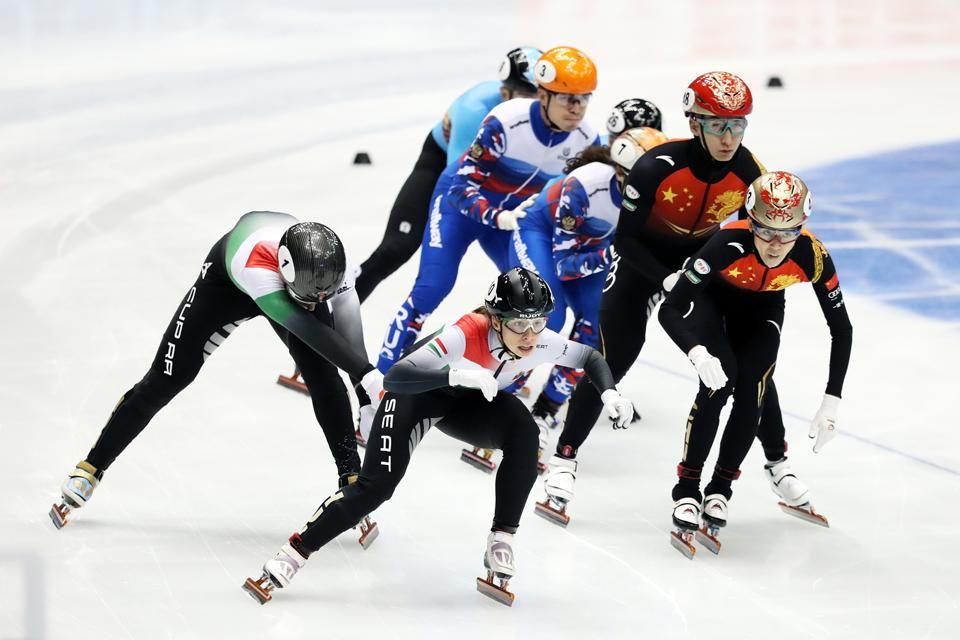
x,y
566,70
627,148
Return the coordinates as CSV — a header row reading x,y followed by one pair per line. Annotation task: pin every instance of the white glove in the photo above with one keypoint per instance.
x,y
824,425
708,367
367,412
372,384
475,379
508,219
671,280
618,408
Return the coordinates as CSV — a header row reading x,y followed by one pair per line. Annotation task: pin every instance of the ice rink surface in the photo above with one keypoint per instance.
x,y
133,134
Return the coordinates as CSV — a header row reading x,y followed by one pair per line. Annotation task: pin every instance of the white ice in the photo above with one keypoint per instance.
x,y
132,135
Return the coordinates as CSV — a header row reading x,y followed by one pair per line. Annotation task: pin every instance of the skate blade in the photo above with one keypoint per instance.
x,y
294,383
360,441
682,545
711,542
58,515
500,594
810,515
257,591
368,533
478,461
524,392
546,511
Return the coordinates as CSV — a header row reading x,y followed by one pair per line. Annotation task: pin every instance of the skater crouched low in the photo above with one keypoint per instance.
x,y
726,312
453,381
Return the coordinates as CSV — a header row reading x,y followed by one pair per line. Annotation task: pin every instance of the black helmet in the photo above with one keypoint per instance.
x,y
632,113
519,293
516,70
312,262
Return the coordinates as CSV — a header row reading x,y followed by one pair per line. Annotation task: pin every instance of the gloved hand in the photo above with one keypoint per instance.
x,y
619,409
508,219
610,255
824,425
475,379
708,367
372,384
367,412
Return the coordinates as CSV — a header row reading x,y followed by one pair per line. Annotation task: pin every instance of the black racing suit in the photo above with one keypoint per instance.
x,y
674,199
731,303
210,311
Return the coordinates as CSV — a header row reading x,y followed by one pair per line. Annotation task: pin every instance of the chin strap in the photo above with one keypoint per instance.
x,y
546,118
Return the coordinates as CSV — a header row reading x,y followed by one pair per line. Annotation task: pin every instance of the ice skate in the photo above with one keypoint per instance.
x,y
77,489
498,561
794,495
686,519
368,528
294,382
479,458
277,573
714,518
558,483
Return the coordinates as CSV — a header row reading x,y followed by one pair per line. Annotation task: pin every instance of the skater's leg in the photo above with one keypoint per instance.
x,y
400,423
408,217
211,309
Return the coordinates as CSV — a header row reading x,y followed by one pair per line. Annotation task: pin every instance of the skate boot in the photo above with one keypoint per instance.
x,y
498,560
544,424
686,519
77,489
558,483
479,458
714,518
794,495
278,572
368,528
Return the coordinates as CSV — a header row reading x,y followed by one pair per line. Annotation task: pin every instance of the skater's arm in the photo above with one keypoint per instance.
x,y
428,367
345,308
572,224
318,336
635,210
827,289
580,356
475,168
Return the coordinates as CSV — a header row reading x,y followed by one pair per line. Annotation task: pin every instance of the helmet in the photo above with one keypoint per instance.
x,y
778,200
312,262
627,148
718,93
566,70
516,69
632,113
518,293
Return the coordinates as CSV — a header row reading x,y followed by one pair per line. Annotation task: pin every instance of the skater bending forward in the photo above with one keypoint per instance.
x,y
452,381
726,313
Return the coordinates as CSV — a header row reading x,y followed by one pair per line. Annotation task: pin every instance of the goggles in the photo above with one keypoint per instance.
x,y
719,126
521,325
567,99
767,234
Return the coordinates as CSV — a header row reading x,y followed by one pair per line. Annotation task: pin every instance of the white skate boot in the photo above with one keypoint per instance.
x,y
714,517
277,574
76,491
498,560
558,483
686,519
794,495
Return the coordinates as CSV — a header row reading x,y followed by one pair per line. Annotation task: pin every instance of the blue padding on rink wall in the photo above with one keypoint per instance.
x,y
892,224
